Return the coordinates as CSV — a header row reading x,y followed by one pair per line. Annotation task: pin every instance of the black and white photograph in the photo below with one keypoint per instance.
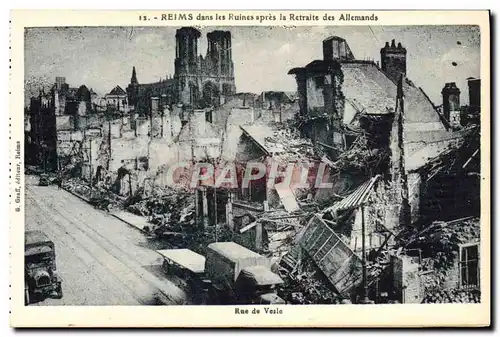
x,y
151,171
253,166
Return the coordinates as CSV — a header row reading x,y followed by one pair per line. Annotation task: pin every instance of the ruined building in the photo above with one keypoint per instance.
x,y
340,95
457,115
41,144
198,81
62,109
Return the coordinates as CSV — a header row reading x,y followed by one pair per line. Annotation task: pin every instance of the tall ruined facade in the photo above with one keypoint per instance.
x,y
203,81
398,206
43,132
321,100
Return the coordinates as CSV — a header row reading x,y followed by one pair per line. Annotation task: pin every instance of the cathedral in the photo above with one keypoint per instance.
x,y
198,81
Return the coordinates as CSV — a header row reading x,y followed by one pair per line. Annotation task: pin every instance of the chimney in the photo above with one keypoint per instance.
x,y
451,99
60,81
154,105
474,92
393,59
336,48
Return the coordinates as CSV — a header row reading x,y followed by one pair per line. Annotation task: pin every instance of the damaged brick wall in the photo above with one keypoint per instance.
x,y
406,279
414,193
398,207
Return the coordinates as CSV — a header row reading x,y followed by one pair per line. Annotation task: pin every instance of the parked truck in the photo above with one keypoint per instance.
x,y
40,275
229,274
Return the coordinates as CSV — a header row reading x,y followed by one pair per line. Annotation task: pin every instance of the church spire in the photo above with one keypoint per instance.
x,y
133,80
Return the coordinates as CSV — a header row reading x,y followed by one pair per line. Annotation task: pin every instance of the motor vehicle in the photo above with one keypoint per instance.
x,y
229,274
41,278
44,180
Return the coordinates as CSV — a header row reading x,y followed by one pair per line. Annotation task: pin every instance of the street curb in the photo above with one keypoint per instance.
x,y
128,223
76,195
113,215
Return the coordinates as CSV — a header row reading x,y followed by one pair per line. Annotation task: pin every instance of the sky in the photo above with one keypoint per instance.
x,y
103,57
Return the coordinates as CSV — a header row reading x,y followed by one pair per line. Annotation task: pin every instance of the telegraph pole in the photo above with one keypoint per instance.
x,y
90,160
363,252
109,142
215,206
281,114
190,119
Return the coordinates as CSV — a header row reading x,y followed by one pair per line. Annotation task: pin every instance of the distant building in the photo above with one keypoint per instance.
x,y
471,114
139,95
198,82
66,100
117,99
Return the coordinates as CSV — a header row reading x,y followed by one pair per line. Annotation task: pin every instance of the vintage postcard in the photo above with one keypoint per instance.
x,y
250,168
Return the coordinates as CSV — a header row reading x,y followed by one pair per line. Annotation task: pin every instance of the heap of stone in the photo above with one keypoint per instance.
x,y
308,286
165,205
453,296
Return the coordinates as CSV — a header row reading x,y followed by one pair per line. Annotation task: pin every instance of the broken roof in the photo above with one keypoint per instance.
x,y
457,150
368,88
277,141
418,107
259,134
316,66
356,198
434,145
117,91
283,96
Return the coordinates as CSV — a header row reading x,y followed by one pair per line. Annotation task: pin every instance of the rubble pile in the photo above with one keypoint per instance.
x,y
307,286
453,296
361,158
295,147
166,205
202,238
95,194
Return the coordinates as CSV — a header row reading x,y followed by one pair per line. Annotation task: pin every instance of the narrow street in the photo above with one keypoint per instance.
x,y
101,260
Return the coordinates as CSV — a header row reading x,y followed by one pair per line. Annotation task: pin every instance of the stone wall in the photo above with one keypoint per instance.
x,y
414,192
406,280
315,97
